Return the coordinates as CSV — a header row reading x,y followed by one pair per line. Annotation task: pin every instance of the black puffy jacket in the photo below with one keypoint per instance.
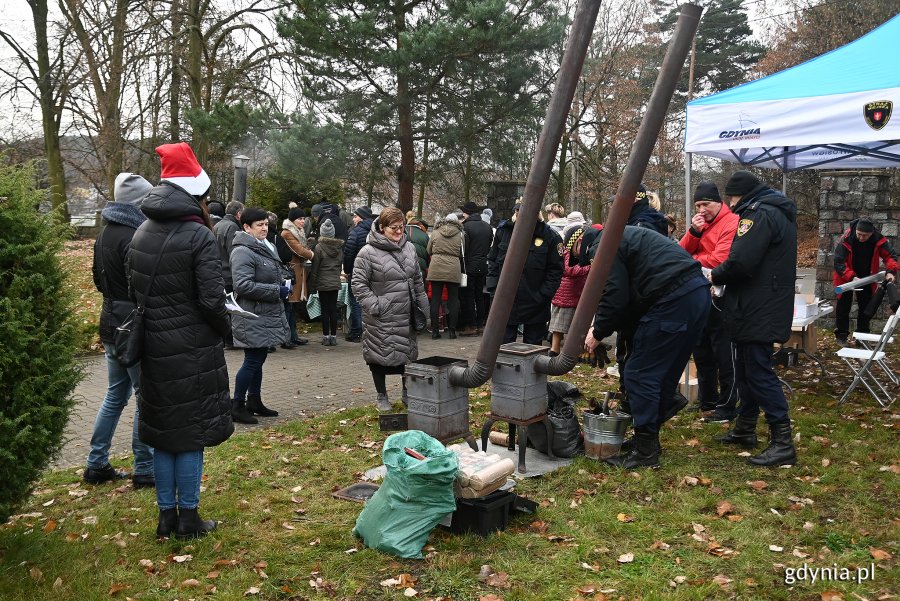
x,y
355,241
185,402
761,269
479,236
541,276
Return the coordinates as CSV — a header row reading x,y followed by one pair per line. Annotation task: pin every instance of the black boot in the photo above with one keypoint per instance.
x,y
435,334
628,445
256,407
240,415
743,433
452,333
168,522
781,447
191,525
644,454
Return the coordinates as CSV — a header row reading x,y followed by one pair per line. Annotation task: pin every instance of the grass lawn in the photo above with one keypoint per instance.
x,y
704,526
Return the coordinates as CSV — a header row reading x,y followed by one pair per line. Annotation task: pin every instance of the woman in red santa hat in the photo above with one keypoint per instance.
x,y
176,275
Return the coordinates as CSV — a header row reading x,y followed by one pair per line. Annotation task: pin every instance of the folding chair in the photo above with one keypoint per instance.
x,y
861,360
868,342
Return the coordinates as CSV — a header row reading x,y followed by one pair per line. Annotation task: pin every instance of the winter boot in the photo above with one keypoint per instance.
x,y
255,406
743,433
644,454
383,403
435,334
405,398
168,522
191,525
240,414
781,447
452,333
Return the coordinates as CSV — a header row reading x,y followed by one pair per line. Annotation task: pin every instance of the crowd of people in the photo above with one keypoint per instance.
x,y
161,251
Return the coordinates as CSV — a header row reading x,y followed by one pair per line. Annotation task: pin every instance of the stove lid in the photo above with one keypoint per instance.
x,y
522,349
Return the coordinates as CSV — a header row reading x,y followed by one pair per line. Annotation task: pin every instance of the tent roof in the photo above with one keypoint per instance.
x,y
831,111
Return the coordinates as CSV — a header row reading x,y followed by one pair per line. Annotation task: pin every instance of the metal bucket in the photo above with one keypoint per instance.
x,y
604,432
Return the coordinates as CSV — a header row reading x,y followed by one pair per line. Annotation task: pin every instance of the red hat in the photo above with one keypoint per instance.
x,y
180,166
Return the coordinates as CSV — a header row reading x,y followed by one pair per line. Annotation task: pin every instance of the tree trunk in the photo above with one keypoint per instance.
x,y
407,172
175,18
50,112
199,144
561,180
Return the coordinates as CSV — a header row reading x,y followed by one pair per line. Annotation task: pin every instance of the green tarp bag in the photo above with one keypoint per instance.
x,y
416,494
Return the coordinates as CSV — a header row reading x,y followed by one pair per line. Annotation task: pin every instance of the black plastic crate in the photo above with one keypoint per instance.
x,y
483,515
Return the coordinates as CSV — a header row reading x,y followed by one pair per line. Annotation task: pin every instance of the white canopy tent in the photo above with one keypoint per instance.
x,y
831,112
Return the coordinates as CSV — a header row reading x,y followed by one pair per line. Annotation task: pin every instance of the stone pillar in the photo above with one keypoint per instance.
x,y
845,196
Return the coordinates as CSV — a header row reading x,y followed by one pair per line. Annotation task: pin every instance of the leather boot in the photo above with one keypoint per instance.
x,y
191,525
781,447
644,454
168,521
240,414
452,333
628,445
435,334
743,433
256,407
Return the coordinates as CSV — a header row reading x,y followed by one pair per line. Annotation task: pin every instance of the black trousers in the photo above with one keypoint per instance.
x,y
842,311
760,387
532,333
473,307
380,371
437,291
328,301
715,365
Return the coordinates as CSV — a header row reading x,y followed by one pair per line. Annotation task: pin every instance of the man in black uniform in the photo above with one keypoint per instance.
x,y
479,236
759,276
657,291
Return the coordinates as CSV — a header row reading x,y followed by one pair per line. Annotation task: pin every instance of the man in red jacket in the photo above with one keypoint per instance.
x,y
858,254
709,241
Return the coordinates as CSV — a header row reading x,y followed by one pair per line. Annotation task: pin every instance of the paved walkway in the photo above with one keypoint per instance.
x,y
306,381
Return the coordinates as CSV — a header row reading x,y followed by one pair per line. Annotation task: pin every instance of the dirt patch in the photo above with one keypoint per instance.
x,y
807,247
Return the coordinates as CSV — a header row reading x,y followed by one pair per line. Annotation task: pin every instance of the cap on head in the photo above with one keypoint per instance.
x,y
130,189
707,191
364,212
180,167
470,208
295,213
865,225
741,183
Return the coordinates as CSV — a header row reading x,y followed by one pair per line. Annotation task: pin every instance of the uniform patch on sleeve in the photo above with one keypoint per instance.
x,y
744,226
560,249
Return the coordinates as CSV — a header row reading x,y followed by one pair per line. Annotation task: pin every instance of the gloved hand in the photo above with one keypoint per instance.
x,y
284,292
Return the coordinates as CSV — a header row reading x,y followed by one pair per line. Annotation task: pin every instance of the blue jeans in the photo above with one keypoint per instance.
x,y
663,342
249,376
757,383
178,479
120,381
355,327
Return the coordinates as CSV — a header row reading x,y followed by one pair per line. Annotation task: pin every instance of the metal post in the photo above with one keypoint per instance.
x,y
240,162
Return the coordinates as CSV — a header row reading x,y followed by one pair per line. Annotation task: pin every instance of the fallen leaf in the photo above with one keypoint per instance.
x,y
58,583
890,468
724,508
498,580
191,582
36,574
776,548
182,558
799,553
589,567
659,545
117,588
625,518
879,554
757,484
825,463
288,526
694,442
410,592
253,590
212,575
626,558
689,481
145,563
50,526
831,596
490,597
722,580
734,518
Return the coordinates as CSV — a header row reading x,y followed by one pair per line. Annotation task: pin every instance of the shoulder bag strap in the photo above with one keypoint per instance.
x,y
462,246
140,306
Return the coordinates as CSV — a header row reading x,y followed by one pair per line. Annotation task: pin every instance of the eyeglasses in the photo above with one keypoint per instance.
x,y
395,228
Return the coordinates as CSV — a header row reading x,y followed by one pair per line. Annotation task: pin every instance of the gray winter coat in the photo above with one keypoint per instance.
x,y
327,263
257,277
446,248
384,274
225,230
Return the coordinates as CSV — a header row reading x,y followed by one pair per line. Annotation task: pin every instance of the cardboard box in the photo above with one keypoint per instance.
x,y
805,305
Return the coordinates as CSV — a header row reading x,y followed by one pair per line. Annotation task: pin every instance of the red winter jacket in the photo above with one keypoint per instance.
x,y
712,246
574,277
843,256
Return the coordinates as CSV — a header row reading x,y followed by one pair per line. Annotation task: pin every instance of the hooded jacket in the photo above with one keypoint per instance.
x,y
643,215
386,278
761,269
445,248
325,274
225,230
541,275
479,236
185,404
355,241
257,276
843,256
713,244
418,237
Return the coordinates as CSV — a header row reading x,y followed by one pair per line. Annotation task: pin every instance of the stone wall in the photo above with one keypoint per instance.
x,y
845,196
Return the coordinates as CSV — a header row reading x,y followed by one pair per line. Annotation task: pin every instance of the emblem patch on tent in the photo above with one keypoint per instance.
x,y
878,113
744,226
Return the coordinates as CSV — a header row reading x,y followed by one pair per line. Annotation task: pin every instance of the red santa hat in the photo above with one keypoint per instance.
x,y
180,166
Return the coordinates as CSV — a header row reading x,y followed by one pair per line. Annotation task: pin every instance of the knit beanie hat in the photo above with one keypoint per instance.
x,y
326,230
741,183
575,217
130,189
295,213
451,217
317,210
180,166
364,212
707,191
865,225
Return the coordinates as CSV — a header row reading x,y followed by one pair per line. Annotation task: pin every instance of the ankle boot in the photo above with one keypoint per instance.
x,y
255,406
452,333
435,334
191,525
645,452
743,433
240,414
168,522
781,447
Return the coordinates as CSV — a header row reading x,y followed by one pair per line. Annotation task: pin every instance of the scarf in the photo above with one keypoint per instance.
x,y
123,214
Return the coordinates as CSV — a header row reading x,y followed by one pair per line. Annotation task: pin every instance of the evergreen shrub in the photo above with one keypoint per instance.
x,y
38,369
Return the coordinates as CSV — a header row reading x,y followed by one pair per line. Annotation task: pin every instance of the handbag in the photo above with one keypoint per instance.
x,y
463,276
129,336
